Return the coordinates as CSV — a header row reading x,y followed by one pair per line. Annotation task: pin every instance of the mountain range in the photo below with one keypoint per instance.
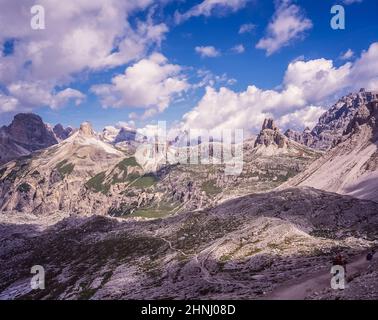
x,y
107,225
351,167
332,125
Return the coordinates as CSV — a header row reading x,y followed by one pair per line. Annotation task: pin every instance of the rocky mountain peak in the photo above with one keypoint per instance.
x,y
86,129
62,133
366,115
26,133
270,135
269,124
125,134
29,131
334,125
115,135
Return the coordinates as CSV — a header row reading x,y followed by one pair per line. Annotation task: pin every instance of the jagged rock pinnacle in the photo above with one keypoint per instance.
x,y
269,124
270,135
86,129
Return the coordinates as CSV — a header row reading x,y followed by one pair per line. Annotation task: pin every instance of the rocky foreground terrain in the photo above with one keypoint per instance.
x,y
106,225
245,248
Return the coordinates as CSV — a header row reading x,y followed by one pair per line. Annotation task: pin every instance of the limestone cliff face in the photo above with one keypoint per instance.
x,y
351,167
26,133
334,125
270,135
85,175
62,133
305,137
52,179
86,129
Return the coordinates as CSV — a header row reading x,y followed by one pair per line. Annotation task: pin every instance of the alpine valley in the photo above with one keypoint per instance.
x,y
107,221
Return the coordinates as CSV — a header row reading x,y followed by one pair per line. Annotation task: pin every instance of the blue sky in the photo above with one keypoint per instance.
x,y
177,42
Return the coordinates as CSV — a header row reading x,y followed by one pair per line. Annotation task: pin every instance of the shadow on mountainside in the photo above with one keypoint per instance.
x,y
243,249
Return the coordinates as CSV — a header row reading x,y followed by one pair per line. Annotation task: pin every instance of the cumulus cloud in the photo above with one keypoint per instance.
x,y
364,72
348,2
209,7
247,28
7,103
307,86
306,117
347,55
317,79
288,23
26,95
207,51
80,35
238,49
149,84
208,78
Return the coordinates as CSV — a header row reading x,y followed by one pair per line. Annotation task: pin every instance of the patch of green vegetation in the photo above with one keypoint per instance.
x,y
323,233
51,150
162,210
123,166
124,177
275,246
87,293
130,193
24,187
166,205
145,181
225,258
133,176
128,162
97,183
253,251
12,176
210,188
65,168
106,278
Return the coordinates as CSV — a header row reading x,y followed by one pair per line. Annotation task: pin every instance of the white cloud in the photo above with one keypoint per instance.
x,y
29,94
347,55
307,87
207,78
61,98
238,49
348,2
209,7
247,28
207,51
149,84
306,117
317,79
130,125
288,24
364,72
7,103
80,35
